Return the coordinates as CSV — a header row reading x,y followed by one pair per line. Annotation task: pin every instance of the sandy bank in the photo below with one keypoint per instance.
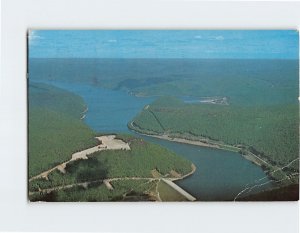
x,y
185,141
174,139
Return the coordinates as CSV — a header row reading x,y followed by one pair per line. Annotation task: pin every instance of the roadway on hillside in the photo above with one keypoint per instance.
x,y
107,142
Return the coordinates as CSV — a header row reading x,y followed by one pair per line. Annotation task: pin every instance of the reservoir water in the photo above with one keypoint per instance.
x,y
220,175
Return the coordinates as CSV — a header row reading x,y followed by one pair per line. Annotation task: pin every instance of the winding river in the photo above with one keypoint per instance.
x,y
220,175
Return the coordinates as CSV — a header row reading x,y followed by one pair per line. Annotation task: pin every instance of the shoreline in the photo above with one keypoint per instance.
x,y
84,113
181,140
194,168
176,139
255,159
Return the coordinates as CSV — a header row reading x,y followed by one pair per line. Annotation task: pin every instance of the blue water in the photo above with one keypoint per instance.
x,y
108,110
220,175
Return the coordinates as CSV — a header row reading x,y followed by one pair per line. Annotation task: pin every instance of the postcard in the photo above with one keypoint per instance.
x,y
163,115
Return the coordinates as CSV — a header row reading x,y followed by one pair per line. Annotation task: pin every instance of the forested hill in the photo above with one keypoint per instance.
x,y
243,82
55,128
270,131
56,132
55,99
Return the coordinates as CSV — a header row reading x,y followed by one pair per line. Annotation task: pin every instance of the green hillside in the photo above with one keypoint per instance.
x,y
55,128
244,81
137,162
270,131
56,132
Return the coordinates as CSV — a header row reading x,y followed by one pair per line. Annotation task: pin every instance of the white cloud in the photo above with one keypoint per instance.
x,y
33,37
216,38
112,41
198,37
219,38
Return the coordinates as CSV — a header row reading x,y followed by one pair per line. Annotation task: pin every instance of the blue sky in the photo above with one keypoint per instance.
x,y
237,44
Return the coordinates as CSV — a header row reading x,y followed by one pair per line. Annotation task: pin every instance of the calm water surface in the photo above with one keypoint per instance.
x,y
220,175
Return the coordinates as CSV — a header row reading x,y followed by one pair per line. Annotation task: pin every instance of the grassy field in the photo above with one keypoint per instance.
x,y
167,193
270,131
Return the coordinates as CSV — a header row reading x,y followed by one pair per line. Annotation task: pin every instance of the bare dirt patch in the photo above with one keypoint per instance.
x,y
155,173
175,174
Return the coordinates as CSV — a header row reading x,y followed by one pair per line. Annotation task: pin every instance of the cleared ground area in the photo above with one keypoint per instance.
x,y
107,142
